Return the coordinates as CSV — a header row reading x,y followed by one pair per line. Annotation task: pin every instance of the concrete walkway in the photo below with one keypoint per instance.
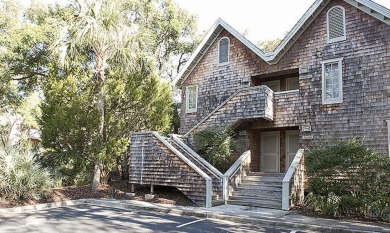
x,y
243,214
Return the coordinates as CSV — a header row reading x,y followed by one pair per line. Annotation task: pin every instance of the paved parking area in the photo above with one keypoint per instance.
x,y
88,218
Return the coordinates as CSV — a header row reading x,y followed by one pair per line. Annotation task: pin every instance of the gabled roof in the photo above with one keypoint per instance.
x,y
368,6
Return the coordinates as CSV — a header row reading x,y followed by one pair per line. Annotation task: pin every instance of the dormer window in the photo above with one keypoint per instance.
x,y
336,24
223,50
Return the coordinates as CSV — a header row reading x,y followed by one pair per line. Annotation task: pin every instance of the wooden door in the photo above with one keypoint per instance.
x,y
270,152
292,146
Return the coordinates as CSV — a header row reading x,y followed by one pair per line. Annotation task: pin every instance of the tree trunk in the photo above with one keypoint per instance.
x,y
96,176
100,76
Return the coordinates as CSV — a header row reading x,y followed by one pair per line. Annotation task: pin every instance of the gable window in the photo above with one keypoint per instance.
x,y
191,98
223,50
335,22
332,81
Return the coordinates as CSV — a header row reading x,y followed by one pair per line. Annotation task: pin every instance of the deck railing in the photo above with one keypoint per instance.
x,y
293,182
236,173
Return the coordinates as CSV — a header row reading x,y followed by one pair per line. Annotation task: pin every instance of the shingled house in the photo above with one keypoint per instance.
x,y
328,78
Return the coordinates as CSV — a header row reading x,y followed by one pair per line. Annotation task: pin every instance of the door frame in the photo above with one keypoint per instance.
x,y
287,146
262,147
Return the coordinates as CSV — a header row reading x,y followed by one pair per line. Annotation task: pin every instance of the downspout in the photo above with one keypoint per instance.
x,y
142,160
388,136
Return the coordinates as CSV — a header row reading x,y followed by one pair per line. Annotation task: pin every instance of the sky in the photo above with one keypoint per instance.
x,y
259,19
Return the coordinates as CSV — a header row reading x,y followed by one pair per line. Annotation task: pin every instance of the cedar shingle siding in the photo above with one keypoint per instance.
x,y
365,81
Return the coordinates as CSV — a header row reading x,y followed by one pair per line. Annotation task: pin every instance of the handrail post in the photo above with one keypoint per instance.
x,y
285,195
225,189
209,190
295,165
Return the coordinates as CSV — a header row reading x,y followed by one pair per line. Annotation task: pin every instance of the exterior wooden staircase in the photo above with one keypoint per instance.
x,y
259,190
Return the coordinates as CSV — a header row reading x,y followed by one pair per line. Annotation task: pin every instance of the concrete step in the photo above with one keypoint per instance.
x,y
261,204
250,198
266,186
259,189
258,192
264,178
266,174
250,182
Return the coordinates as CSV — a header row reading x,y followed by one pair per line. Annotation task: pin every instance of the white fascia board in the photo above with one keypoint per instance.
x,y
295,32
197,50
375,10
372,8
243,40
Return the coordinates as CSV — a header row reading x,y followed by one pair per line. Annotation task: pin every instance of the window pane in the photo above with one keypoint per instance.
x,y
223,50
331,79
191,97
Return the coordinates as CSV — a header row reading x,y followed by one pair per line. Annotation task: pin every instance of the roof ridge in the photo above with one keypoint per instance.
x,y
284,45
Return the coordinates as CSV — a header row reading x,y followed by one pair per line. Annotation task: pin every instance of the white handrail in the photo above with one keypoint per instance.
x,y
197,157
287,178
232,171
237,164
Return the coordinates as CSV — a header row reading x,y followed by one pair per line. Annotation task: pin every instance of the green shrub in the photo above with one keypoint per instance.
x,y
215,145
346,178
21,176
68,169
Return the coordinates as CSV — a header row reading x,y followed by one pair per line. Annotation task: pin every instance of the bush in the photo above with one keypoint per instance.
x,y
346,178
215,145
68,169
21,176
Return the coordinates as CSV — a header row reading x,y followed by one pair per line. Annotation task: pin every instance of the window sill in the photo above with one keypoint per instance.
x,y
286,92
223,64
328,102
334,40
191,110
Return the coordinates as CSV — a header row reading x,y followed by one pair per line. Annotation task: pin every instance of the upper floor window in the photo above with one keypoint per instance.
x,y
223,50
332,81
292,84
191,98
335,21
273,85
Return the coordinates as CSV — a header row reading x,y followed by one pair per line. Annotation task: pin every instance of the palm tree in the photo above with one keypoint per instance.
x,y
100,31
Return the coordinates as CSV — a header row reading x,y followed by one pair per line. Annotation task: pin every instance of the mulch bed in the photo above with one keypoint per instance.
x,y
115,189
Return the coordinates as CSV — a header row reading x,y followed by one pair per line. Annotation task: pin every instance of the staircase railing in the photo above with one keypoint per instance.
x,y
206,165
293,182
215,174
163,176
236,173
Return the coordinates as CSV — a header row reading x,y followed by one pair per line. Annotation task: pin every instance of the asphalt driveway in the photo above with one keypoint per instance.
x,y
89,218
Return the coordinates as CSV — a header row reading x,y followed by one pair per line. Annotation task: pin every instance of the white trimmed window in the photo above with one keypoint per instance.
x,y
223,50
332,81
191,98
292,84
273,85
335,22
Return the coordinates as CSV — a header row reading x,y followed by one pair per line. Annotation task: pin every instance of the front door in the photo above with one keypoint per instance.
x,y
292,146
269,157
